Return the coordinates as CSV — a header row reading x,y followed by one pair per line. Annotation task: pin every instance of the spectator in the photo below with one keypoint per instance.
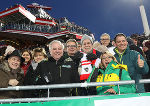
x,y
59,70
132,46
71,47
89,58
11,74
146,49
26,54
109,71
135,62
72,51
87,46
39,55
134,38
79,46
105,40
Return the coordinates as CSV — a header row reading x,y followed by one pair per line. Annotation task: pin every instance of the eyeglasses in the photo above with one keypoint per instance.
x,y
109,57
105,39
71,46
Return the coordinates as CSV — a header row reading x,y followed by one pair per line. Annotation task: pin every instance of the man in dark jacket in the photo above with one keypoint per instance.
x,y
57,70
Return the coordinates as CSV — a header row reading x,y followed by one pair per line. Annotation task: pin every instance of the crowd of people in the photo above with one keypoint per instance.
x,y
77,62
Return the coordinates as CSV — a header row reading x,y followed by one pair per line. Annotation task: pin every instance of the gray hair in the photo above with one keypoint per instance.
x,y
55,41
105,34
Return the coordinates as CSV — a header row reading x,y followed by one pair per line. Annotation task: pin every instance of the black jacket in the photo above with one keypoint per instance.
x,y
57,72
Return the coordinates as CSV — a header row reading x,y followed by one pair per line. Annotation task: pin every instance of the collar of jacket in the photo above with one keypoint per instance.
x,y
120,66
125,51
51,59
120,55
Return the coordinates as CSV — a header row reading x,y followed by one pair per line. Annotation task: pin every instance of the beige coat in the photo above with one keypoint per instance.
x,y
5,75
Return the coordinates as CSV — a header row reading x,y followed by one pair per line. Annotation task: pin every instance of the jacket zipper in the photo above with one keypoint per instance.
x,y
60,70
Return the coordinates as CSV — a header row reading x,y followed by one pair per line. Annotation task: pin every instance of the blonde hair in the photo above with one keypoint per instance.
x,y
109,54
39,50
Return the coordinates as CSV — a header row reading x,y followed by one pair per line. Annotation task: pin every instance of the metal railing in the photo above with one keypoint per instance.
x,y
70,85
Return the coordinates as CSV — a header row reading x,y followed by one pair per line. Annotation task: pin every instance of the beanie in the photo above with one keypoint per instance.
x,y
86,37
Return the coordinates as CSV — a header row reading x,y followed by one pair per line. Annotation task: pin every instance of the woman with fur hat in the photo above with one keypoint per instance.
x,y
11,74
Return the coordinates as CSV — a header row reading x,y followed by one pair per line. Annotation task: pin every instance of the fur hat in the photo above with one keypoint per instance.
x,y
15,53
101,48
86,37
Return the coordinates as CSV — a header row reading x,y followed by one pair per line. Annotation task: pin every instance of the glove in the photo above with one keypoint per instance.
x,y
78,55
91,56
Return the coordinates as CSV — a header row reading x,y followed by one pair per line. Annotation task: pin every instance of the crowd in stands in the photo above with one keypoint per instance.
x,y
60,25
77,62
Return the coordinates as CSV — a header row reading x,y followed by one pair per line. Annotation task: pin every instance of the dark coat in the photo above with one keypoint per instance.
x,y
56,72
147,76
6,74
28,80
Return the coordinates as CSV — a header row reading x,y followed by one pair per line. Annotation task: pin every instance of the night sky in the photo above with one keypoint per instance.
x,y
99,16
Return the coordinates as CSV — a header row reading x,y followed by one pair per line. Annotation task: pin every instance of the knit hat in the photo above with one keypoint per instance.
x,y
84,37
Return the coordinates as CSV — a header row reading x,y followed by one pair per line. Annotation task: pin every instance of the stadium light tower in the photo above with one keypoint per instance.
x,y
144,19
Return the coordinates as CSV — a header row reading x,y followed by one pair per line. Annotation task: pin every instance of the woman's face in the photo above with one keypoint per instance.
x,y
14,62
26,56
38,57
87,46
106,59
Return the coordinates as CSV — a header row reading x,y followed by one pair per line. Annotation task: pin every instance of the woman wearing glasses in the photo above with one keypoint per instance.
x,y
110,70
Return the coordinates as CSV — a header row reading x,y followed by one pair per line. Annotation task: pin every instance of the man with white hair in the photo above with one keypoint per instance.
x,y
57,70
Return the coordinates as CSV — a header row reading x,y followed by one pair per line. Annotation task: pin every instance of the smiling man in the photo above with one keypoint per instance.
x,y
71,45
57,70
135,62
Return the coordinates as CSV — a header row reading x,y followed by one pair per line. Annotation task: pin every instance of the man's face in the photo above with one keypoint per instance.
x,y
71,48
14,62
87,45
135,41
56,51
105,40
121,43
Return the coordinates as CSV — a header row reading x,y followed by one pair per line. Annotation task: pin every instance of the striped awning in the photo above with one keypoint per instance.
x,y
16,13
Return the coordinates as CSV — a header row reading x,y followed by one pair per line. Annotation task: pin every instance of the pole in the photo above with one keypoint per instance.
x,y
144,19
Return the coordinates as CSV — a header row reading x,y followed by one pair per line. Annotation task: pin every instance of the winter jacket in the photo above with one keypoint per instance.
x,y
62,71
25,67
29,80
147,76
6,74
129,58
111,73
